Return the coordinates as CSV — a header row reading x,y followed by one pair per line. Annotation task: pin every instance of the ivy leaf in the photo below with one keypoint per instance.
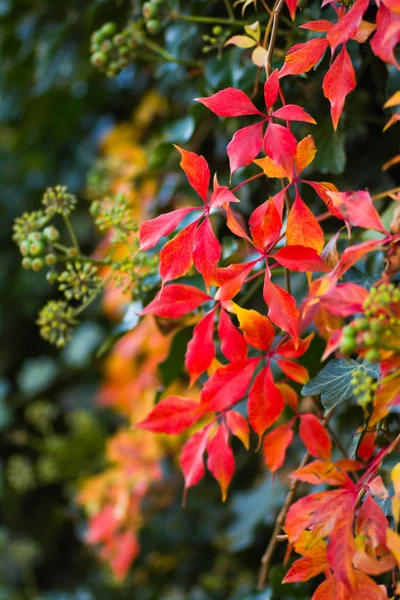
x,y
334,381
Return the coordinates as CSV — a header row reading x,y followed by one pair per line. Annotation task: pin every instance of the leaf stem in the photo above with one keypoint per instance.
x,y
71,232
229,10
246,181
169,57
274,31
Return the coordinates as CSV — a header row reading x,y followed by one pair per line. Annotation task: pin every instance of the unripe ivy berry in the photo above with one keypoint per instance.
x,y
35,236
373,355
376,326
98,59
36,248
106,46
38,264
149,10
108,29
51,234
72,252
370,339
24,248
27,263
119,39
51,259
153,26
347,345
52,277
361,324
217,30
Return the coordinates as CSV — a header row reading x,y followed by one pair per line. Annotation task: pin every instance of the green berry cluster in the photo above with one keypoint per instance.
x,y
135,274
112,50
28,223
363,386
79,281
56,320
114,212
58,200
216,40
37,248
151,15
375,331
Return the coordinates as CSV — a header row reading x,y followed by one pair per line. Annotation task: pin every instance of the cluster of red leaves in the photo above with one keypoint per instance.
x,y
340,532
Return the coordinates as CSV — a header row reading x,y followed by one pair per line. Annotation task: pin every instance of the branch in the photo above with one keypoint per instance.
x,y
274,31
274,539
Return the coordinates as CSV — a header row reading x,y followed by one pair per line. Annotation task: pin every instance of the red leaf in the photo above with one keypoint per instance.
x,y
176,256
339,81
280,145
372,524
292,5
221,195
322,188
357,208
320,25
230,103
257,329
288,350
245,145
303,57
228,384
271,89
233,345
300,258
282,309
365,588
206,251
197,171
232,222
265,224
318,472
191,459
303,228
175,301
315,437
275,445
103,525
152,231
341,541
304,569
347,27
172,415
294,371
387,35
292,112
221,462
345,299
232,286
265,402
353,254
200,350
239,427
125,549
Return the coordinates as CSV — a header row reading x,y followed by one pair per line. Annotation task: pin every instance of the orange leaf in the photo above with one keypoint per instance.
x,y
257,329
275,445
303,228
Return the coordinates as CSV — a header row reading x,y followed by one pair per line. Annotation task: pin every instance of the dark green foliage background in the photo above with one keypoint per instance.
x,y
53,108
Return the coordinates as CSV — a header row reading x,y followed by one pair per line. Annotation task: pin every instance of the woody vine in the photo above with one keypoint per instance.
x,y
247,362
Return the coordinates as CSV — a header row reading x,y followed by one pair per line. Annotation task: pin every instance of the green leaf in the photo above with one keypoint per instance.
x,y
331,155
334,381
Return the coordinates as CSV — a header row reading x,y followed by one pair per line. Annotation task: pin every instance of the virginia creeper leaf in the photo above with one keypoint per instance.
x,y
175,301
221,462
172,415
339,81
200,351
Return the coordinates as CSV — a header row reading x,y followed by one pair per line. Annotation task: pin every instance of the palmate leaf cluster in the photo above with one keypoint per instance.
x,y
55,108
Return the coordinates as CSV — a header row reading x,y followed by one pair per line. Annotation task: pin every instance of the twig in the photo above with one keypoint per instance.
x,y
229,10
269,552
274,31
